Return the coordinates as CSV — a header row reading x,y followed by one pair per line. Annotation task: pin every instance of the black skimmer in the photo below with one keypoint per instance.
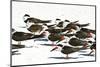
x,y
25,17
22,36
92,47
78,42
35,28
88,30
71,25
28,19
82,34
66,49
76,26
55,37
60,24
57,20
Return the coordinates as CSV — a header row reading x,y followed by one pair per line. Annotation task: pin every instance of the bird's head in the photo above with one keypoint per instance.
x,y
66,21
58,20
59,46
62,37
90,42
90,34
44,33
25,17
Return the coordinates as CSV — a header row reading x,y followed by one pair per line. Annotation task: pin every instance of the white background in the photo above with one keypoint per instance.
x,y
5,33
44,11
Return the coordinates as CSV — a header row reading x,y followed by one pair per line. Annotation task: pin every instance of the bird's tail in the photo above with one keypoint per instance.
x,y
83,25
46,21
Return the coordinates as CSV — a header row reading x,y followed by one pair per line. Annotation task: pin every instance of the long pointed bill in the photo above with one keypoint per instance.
x,y
54,49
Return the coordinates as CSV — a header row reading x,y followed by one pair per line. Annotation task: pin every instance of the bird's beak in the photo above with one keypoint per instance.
x,y
54,49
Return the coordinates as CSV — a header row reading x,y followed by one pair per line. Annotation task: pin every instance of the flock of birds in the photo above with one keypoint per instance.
x,y
67,32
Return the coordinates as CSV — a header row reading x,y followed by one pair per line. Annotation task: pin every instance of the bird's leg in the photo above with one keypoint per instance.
x,y
91,52
19,42
85,45
53,44
66,56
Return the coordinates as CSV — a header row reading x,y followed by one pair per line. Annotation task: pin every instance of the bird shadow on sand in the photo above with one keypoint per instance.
x,y
64,57
87,54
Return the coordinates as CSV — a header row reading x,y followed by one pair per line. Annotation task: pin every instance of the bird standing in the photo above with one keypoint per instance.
x,y
66,49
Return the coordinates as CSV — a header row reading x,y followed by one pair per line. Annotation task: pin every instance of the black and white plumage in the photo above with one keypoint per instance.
x,y
78,42
28,19
55,37
60,24
88,30
35,28
81,34
92,47
66,49
76,26
22,36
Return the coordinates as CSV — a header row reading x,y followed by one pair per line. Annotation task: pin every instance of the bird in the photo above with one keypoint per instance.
x,y
82,34
57,20
60,24
28,19
66,49
76,26
78,42
55,37
25,17
71,26
92,47
35,28
22,36
88,30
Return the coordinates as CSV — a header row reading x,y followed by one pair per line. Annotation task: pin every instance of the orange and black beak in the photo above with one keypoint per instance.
x,y
54,49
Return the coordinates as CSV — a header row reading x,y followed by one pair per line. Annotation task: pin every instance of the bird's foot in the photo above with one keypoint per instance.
x,y
66,57
90,53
